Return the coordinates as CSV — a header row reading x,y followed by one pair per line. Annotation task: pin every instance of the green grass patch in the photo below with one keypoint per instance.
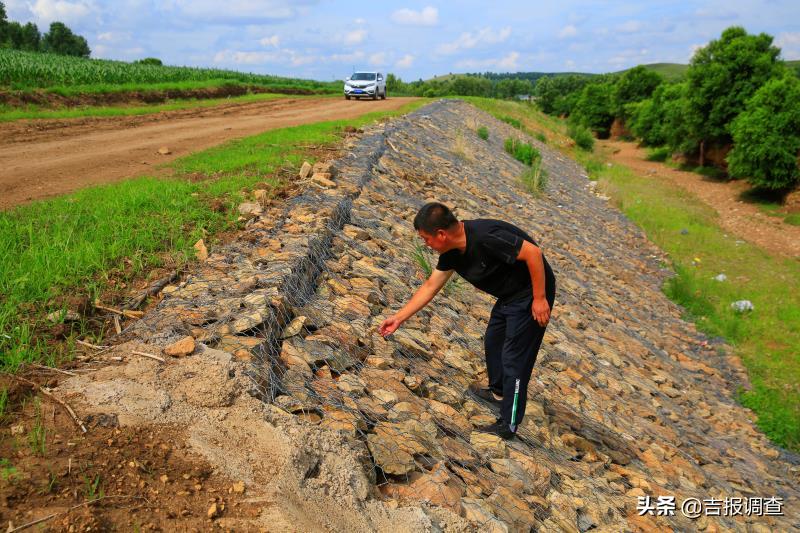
x,y
582,136
54,248
660,153
522,151
8,114
483,133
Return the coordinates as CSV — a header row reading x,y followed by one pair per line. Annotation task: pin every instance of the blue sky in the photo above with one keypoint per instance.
x,y
326,39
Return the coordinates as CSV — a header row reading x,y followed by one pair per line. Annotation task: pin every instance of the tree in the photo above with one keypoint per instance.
x,y
557,95
660,120
61,40
150,61
593,108
766,136
722,76
633,86
3,25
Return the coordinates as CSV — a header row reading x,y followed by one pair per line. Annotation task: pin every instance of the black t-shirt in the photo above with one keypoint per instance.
x,y
490,260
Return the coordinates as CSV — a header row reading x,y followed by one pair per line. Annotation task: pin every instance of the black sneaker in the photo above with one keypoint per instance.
x,y
499,428
484,394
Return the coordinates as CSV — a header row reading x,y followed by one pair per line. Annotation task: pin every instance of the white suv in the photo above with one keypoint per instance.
x,y
359,84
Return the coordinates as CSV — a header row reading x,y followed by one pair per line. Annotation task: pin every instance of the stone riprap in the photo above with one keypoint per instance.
x,y
627,400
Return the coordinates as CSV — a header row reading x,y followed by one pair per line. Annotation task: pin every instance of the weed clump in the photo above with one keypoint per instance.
x,y
522,151
483,133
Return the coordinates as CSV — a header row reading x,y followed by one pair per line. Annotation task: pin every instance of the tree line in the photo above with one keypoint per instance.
x,y
738,101
58,40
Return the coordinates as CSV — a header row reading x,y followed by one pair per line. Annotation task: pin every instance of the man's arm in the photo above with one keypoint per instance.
x,y
532,255
424,294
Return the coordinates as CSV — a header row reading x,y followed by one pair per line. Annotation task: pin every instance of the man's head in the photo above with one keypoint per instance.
x,y
436,224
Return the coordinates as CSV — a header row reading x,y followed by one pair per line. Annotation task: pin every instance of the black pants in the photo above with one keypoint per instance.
x,y
512,342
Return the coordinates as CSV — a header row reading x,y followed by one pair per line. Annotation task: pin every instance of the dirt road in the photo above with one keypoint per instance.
x,y
45,158
740,218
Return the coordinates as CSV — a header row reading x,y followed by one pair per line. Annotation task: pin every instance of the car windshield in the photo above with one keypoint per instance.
x,y
363,76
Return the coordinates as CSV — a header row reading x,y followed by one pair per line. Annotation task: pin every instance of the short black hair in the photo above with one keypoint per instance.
x,y
434,216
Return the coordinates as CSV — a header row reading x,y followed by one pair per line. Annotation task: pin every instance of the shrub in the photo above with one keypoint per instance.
x,y
766,136
522,151
541,137
661,153
512,121
582,136
483,133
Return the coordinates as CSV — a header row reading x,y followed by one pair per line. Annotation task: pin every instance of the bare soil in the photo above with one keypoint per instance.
x,y
45,158
112,477
736,216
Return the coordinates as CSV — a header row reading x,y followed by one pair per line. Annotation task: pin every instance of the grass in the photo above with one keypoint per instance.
x,y
8,114
8,472
460,148
3,403
37,436
766,339
54,248
535,179
108,88
660,153
92,490
483,133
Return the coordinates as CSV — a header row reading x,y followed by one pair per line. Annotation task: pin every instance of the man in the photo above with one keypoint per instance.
x,y
502,260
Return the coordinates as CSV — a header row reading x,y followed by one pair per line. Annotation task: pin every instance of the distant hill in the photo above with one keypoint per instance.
x,y
670,71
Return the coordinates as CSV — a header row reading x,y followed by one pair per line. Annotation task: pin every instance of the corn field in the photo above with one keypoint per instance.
x,y
26,70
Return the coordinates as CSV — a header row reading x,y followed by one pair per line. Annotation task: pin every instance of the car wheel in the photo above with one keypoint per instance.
x,y
347,97
383,96
375,94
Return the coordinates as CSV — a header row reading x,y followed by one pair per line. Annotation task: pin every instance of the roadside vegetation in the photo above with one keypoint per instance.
x,y
768,338
77,245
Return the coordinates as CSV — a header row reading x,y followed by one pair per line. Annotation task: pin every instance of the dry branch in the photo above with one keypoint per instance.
x,y
55,398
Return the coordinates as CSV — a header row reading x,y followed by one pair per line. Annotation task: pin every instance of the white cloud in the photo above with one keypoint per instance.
x,y
347,58
355,36
257,57
569,63
631,26
789,43
272,40
377,59
470,40
509,62
405,62
429,16
568,31
360,21
47,11
235,11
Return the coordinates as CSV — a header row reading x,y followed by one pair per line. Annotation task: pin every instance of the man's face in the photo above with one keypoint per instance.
x,y
436,242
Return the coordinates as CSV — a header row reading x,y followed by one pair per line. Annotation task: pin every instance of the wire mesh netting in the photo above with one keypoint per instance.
x,y
621,404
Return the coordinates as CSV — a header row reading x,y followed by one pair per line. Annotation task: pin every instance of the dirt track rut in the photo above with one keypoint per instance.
x,y
45,158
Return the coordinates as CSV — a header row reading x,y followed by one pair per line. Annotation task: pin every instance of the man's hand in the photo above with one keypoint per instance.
x,y
541,311
389,326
